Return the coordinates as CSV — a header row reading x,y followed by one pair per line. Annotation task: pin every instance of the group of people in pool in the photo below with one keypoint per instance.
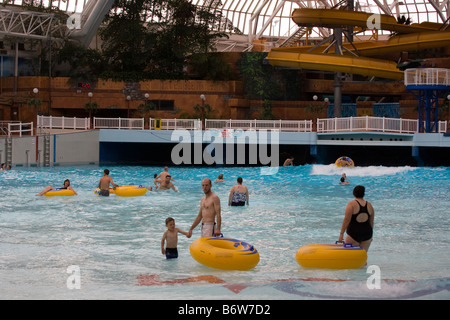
x,y
357,223
358,219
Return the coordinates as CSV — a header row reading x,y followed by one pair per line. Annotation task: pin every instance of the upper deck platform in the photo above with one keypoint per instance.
x,y
427,78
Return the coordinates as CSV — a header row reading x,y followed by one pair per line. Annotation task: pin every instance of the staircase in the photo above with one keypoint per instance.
x,y
294,38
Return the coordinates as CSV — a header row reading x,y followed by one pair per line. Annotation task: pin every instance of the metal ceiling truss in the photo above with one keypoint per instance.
x,y
268,19
31,25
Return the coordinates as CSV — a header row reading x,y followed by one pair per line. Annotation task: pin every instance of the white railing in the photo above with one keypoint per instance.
x,y
282,125
366,123
4,126
427,76
49,122
442,126
20,128
119,123
348,124
176,124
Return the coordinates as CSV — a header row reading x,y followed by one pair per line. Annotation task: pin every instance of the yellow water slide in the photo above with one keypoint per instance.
x,y
411,37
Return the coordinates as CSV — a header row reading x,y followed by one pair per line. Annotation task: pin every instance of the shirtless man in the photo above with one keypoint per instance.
x,y
289,162
166,184
162,175
209,212
103,185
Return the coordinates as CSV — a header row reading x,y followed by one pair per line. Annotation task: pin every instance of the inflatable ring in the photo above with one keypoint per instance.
x,y
331,256
344,162
97,191
130,191
224,253
59,192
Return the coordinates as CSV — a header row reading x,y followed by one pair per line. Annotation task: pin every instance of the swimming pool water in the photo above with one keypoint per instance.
x,y
115,242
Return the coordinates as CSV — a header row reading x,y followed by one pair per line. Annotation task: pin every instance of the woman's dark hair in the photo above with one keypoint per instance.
x,y
239,180
359,191
67,181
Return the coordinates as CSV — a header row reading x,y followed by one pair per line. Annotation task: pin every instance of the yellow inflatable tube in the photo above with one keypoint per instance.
x,y
126,191
59,192
224,253
331,256
111,190
344,162
130,191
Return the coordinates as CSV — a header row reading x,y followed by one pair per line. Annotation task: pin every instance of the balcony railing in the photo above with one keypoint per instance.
x,y
49,122
119,123
281,125
376,124
347,124
20,129
175,124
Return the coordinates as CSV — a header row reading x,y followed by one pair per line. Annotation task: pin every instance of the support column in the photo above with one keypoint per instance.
x,y
338,75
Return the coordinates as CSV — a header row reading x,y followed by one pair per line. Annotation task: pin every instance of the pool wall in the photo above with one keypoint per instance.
x,y
156,147
65,149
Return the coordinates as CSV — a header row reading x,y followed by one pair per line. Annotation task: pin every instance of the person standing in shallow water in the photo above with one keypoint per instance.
x,y
104,183
358,220
238,195
209,212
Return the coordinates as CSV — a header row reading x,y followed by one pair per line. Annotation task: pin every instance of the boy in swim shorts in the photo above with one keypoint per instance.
x,y
170,239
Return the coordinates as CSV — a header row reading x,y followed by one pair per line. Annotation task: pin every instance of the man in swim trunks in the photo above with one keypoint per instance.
x,y
209,212
358,220
238,194
103,185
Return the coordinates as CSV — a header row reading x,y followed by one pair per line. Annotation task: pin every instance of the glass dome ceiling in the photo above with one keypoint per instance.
x,y
271,19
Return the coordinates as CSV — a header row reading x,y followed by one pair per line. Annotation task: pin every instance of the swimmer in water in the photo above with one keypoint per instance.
x,y
219,178
288,162
238,194
104,182
166,184
358,220
162,175
343,179
66,186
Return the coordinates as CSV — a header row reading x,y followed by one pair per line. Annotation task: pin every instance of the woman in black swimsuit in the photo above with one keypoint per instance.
x,y
358,220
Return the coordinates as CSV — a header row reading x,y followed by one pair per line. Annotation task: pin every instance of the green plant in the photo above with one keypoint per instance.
x,y
34,102
204,111
91,107
145,109
315,109
267,112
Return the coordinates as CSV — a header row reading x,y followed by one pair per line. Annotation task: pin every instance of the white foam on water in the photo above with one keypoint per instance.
x,y
370,171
